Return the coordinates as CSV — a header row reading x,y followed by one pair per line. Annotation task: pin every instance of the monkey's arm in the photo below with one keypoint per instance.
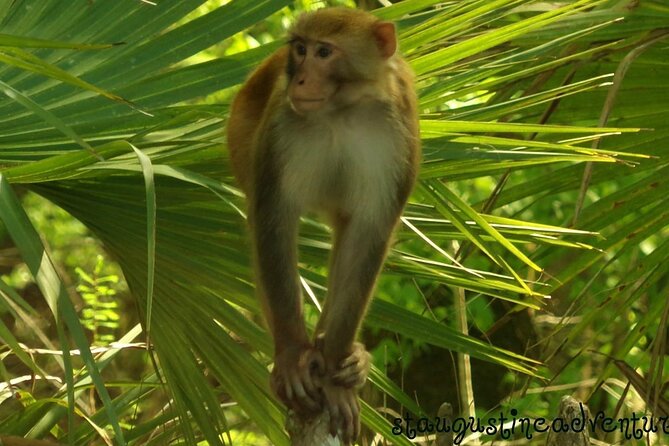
x,y
274,226
359,250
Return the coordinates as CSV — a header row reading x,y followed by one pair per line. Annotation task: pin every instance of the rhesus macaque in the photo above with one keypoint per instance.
x,y
329,124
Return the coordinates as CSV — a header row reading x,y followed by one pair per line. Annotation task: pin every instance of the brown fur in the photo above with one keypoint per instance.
x,y
307,108
247,109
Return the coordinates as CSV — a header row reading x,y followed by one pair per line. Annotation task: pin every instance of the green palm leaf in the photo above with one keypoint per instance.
x,y
115,135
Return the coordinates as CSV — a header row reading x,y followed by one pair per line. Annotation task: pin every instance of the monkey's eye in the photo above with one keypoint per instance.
x,y
324,52
300,49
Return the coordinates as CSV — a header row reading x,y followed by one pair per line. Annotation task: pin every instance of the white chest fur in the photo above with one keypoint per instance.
x,y
349,164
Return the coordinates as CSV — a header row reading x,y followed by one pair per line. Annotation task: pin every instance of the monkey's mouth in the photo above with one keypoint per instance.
x,y
307,100
301,105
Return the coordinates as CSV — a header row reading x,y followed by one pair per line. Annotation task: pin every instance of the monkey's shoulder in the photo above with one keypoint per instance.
x,y
261,85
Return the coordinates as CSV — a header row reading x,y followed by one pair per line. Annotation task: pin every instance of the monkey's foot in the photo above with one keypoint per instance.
x,y
342,404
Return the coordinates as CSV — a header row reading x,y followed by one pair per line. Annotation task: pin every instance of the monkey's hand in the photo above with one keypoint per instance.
x,y
295,378
342,403
352,371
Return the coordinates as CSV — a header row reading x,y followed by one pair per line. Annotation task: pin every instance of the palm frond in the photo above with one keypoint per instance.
x,y
113,134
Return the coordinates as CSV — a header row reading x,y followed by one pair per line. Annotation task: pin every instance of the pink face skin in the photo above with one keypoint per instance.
x,y
312,87
314,64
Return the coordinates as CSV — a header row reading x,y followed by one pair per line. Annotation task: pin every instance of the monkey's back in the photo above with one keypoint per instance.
x,y
247,111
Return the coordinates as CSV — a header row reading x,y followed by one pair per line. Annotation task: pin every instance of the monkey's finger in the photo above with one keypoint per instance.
x,y
348,421
347,380
278,387
301,396
356,417
349,361
292,392
346,373
334,419
287,392
350,377
351,415
310,385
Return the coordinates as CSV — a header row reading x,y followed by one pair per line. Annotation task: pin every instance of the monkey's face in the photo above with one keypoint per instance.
x,y
335,55
311,70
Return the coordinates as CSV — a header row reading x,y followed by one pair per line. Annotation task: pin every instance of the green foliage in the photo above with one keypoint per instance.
x,y
100,314
115,113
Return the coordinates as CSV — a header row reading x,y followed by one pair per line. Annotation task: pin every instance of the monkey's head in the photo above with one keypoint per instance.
x,y
330,48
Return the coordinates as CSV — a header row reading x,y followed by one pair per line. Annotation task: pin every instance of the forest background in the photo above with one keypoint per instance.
x,y
531,263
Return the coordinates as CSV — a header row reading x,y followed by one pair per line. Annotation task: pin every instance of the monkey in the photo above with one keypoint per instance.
x,y
327,124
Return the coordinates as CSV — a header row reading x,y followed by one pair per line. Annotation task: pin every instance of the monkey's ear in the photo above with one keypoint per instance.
x,y
385,38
